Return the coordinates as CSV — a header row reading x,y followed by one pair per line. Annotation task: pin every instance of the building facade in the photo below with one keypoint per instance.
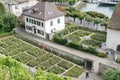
x,y
18,6
44,19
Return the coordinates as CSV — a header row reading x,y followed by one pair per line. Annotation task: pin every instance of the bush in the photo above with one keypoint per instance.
x,y
101,55
73,45
92,50
60,40
118,60
6,34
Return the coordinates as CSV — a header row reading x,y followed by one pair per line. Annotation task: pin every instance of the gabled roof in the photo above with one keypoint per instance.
x,y
44,11
114,22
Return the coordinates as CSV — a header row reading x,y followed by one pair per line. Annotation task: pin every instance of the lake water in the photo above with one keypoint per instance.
x,y
105,9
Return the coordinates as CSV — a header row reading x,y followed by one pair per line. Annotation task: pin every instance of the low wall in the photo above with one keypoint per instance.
x,y
102,68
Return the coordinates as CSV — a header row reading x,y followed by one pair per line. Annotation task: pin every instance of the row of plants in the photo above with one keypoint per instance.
x,y
34,56
65,64
11,69
74,72
69,58
90,16
89,49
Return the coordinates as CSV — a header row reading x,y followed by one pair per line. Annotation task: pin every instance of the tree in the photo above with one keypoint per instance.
x,y
97,21
81,16
74,14
10,22
111,75
88,19
2,9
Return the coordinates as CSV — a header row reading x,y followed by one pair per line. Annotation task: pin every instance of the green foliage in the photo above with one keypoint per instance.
x,y
111,75
11,69
74,72
2,9
6,34
65,64
56,70
8,21
101,55
118,60
96,14
60,40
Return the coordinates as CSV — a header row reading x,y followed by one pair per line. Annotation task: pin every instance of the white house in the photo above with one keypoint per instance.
x,y
113,36
18,6
44,19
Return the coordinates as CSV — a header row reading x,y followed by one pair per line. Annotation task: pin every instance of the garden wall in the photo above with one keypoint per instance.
x,y
103,68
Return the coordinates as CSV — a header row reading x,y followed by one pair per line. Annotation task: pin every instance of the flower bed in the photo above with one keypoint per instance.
x,y
74,72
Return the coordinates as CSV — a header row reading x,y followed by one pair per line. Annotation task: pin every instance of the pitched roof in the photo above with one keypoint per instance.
x,y
114,22
44,11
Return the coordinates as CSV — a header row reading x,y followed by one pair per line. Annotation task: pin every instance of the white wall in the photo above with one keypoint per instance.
x,y
37,27
113,38
55,26
19,11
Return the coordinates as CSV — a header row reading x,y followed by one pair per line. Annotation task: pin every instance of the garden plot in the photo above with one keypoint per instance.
x,y
76,35
34,56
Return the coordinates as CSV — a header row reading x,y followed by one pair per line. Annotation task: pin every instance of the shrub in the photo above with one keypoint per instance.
x,y
101,55
92,50
60,40
6,34
73,45
118,60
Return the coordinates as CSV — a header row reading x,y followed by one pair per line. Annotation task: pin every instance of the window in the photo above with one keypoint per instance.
x,y
30,21
28,28
58,21
34,22
26,19
42,33
16,7
39,31
51,23
38,23
42,24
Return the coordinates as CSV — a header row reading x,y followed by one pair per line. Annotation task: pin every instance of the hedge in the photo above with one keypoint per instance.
x,y
6,34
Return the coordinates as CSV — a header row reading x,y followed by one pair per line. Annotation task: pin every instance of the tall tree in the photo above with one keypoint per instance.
x,y
2,9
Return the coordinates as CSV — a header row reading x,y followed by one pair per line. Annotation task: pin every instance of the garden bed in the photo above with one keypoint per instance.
x,y
33,56
74,72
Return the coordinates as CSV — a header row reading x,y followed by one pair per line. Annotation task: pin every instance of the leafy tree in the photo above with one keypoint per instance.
x,y
2,9
111,75
97,21
88,19
9,21
74,14
81,16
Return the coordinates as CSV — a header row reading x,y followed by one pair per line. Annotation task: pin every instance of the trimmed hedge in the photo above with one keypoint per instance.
x,y
60,40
